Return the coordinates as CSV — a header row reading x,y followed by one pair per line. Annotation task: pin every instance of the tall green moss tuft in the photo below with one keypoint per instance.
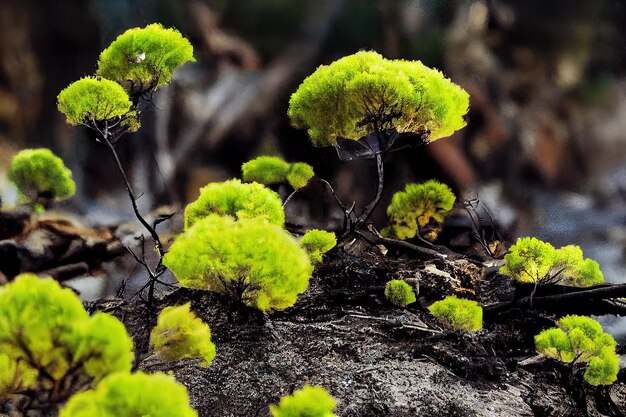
x,y
250,260
317,242
238,200
179,334
399,293
50,344
93,99
143,59
132,395
416,206
531,260
309,401
364,92
458,313
581,340
39,173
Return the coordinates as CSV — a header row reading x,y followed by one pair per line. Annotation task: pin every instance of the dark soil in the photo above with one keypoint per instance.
x,y
376,359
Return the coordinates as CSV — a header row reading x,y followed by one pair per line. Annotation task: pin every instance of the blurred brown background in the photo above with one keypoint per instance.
x,y
545,146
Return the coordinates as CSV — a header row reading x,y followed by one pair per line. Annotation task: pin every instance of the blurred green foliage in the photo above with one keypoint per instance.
x,y
48,341
39,173
132,395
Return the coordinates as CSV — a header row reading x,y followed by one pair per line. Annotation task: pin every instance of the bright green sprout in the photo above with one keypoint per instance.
x,y
316,243
236,199
270,170
38,173
143,59
399,293
309,401
92,99
132,395
265,170
250,260
581,340
459,313
299,175
531,260
364,93
179,334
49,344
416,206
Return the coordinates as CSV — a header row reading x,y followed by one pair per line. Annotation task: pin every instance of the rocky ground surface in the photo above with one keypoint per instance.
x,y
376,359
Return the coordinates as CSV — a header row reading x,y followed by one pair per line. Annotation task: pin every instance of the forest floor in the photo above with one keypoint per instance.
x,y
374,358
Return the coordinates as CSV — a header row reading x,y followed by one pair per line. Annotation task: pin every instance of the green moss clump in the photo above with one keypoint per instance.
x,y
399,293
132,395
91,99
581,340
265,170
364,92
270,170
309,401
531,260
39,173
459,313
179,334
416,206
51,345
143,59
299,175
252,261
317,242
236,199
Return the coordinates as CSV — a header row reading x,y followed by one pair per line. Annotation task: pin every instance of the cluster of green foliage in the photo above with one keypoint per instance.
x,y
143,59
274,170
251,260
236,199
581,340
316,243
417,206
179,334
50,344
300,174
459,313
132,395
38,173
310,401
266,170
531,260
93,99
399,293
136,63
365,93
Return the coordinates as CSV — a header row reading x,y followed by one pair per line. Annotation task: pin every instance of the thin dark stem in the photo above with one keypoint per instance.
x,y
369,209
155,236
133,199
